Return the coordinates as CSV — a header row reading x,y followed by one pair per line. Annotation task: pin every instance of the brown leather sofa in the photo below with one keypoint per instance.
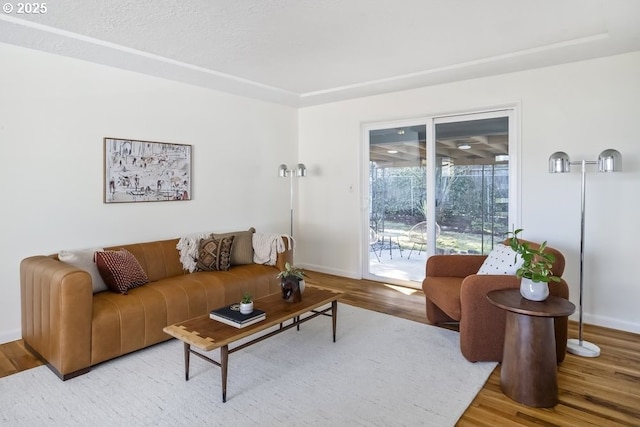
x,y
455,293
72,329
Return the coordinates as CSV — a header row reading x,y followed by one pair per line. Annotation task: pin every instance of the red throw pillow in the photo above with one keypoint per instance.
x,y
120,270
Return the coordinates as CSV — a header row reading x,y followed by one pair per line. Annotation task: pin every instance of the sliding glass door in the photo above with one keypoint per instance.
x,y
397,183
438,185
474,182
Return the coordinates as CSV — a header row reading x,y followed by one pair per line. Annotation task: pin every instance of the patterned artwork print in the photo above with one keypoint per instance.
x,y
144,171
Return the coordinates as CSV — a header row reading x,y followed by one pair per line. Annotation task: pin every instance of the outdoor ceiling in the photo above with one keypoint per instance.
x,y
306,52
406,146
398,147
486,139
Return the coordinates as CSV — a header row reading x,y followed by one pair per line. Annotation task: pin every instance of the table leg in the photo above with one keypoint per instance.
x,y
391,245
334,317
529,366
224,364
187,355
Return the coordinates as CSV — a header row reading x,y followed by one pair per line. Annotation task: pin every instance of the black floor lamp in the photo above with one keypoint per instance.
x,y
608,161
300,171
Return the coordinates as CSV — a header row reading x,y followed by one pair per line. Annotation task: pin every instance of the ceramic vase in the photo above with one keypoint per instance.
x,y
291,291
246,307
534,291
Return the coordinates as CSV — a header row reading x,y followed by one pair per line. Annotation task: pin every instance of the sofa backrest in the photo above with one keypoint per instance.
x,y
159,259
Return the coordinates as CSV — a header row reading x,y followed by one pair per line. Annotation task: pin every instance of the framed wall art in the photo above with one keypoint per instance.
x,y
145,171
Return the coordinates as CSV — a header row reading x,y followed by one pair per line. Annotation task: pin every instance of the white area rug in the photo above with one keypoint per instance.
x,y
381,371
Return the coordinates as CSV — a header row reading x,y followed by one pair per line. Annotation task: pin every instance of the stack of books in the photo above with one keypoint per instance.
x,y
231,315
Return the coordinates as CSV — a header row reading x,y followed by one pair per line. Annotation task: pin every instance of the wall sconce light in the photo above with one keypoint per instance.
x,y
559,162
283,172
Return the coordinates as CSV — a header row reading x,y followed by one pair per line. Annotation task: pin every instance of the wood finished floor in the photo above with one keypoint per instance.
x,y
603,391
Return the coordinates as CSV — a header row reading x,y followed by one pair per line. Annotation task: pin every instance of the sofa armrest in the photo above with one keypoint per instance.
x,y
454,265
482,324
561,324
56,302
286,256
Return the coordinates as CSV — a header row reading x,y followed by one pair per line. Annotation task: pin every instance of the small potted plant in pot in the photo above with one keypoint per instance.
x,y
292,282
246,303
535,272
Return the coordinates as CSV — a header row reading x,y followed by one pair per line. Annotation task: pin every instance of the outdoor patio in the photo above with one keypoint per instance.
x,y
398,265
394,259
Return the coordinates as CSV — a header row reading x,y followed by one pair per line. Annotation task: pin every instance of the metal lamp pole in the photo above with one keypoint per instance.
x,y
283,172
608,161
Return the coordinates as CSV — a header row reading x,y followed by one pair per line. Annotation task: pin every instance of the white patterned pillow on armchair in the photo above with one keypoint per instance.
x,y
501,260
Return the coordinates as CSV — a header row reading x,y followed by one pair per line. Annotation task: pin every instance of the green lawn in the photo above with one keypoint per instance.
x,y
448,241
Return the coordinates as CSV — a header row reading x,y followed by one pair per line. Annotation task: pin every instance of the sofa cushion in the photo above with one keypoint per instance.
x,y
215,254
84,259
242,249
120,270
501,260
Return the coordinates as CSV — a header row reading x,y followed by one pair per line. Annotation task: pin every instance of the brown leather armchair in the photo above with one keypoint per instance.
x,y
455,293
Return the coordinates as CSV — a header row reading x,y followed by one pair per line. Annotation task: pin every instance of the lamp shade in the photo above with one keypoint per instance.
x,y
282,171
559,162
610,161
302,169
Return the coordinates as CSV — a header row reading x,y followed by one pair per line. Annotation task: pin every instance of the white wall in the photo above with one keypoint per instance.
x,y
581,108
54,114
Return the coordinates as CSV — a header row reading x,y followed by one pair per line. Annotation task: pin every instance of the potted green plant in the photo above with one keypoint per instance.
x,y
246,303
292,282
535,273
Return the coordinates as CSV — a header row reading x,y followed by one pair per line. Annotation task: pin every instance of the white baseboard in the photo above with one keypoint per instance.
x,y
609,322
326,270
8,336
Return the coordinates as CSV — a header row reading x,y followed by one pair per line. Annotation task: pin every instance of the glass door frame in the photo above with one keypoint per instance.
x,y
515,201
366,196
514,209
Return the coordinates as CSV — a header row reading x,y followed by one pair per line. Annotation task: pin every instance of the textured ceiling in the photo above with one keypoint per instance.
x,y
305,52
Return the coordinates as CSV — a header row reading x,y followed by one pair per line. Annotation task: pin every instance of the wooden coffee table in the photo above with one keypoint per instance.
x,y
207,334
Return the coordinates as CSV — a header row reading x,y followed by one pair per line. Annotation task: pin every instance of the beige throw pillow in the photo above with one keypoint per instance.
x,y
242,249
84,259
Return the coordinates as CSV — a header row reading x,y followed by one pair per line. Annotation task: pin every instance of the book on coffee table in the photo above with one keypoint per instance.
x,y
231,315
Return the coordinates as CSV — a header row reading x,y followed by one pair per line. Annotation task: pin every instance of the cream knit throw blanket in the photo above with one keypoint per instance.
x,y
188,247
267,246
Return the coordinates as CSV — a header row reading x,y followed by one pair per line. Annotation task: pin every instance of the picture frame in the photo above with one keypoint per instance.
x,y
146,171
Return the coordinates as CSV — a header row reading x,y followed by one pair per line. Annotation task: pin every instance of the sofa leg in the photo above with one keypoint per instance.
x,y
63,377
71,374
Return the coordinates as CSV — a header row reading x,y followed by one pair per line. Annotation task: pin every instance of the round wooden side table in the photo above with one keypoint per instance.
x,y
528,373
